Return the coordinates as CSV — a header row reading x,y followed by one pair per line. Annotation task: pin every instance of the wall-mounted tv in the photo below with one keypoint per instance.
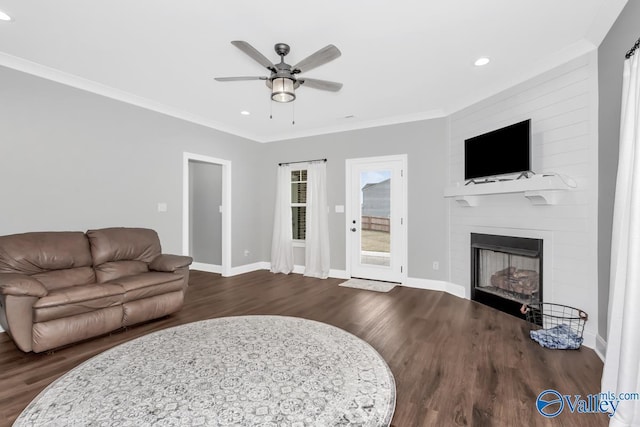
x,y
500,152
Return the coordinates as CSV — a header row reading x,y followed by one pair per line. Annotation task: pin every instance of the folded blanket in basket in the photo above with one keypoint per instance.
x,y
559,337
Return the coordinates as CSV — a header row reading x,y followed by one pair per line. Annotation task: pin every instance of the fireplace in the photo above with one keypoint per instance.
x,y
506,271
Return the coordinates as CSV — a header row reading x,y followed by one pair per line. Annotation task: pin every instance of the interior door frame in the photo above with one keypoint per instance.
x,y
225,268
349,214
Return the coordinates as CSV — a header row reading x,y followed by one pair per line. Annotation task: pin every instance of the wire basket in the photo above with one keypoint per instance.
x,y
561,326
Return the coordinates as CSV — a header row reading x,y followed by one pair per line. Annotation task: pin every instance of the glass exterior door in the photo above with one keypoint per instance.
x,y
376,221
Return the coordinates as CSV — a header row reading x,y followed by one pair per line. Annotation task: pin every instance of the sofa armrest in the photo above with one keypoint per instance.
x,y
169,263
21,285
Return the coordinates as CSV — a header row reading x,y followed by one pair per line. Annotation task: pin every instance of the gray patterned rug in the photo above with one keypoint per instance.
x,y
269,371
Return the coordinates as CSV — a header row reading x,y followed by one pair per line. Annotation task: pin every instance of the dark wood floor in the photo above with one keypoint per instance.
x,y
456,363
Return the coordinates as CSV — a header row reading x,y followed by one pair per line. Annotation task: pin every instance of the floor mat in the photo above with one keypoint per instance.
x,y
369,285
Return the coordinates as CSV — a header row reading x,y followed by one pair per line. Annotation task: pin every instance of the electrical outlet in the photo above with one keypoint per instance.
x,y
436,265
246,252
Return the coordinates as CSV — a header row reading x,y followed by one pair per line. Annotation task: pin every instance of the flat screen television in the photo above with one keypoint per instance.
x,y
499,152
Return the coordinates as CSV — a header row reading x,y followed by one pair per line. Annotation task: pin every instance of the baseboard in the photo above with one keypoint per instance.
x,y
248,268
428,284
297,269
339,274
589,340
601,347
335,274
433,285
436,285
211,268
457,290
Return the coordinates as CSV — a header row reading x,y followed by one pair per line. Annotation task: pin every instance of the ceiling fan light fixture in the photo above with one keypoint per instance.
x,y
282,90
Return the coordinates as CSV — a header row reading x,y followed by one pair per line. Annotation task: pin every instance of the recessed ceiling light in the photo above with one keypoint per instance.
x,y
245,112
4,16
481,61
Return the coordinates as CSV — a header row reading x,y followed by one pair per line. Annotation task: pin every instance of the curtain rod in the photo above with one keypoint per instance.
x,y
633,49
302,161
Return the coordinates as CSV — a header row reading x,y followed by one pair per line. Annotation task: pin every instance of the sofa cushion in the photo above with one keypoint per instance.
x,y
77,300
59,332
149,284
151,308
79,294
58,279
115,269
37,252
123,244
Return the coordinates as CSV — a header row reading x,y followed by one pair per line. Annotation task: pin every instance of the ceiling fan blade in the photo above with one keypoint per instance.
x,y
324,55
320,84
254,54
237,79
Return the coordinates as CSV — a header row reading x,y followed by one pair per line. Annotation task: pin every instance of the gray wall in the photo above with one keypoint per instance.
x,y
72,160
205,199
618,41
424,142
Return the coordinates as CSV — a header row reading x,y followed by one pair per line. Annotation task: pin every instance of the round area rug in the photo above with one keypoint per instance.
x,y
270,371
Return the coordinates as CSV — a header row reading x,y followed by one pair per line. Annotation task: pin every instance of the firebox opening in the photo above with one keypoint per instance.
x,y
506,271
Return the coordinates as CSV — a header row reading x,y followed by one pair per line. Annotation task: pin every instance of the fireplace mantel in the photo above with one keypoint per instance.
x,y
540,189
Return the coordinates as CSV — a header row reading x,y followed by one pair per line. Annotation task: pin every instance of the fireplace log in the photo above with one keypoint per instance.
x,y
525,282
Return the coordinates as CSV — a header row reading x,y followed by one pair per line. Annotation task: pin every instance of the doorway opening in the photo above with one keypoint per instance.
x,y
206,209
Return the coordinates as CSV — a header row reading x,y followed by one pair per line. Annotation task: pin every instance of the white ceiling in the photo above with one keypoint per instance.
x,y
401,61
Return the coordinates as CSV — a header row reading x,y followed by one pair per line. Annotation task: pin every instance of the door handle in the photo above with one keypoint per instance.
x,y
353,229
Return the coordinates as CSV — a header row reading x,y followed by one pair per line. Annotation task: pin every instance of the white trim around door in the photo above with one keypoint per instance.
x,y
225,268
396,271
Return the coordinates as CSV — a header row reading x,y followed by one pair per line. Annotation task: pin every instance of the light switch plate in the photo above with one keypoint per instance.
x,y
162,207
339,208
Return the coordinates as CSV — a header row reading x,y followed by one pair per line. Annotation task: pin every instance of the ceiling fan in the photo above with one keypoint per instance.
x,y
283,80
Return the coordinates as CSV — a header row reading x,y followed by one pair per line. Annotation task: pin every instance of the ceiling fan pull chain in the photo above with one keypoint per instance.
x,y
293,113
270,108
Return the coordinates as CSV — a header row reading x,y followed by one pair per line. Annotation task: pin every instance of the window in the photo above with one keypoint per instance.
x,y
299,203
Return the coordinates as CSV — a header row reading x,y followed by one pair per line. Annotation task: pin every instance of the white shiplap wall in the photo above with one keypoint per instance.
x,y
563,106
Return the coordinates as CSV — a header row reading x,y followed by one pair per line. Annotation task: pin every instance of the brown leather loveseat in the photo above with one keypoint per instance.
x,y
61,287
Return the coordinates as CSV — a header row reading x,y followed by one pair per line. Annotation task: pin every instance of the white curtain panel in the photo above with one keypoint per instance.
x,y
282,242
316,255
621,368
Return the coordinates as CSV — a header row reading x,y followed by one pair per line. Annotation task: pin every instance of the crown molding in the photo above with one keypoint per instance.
x,y
582,47
356,125
72,80
87,85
